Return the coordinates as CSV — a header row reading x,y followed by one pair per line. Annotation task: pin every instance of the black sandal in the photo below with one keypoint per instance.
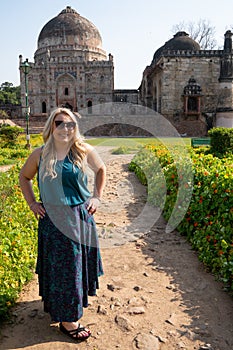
x,y
73,333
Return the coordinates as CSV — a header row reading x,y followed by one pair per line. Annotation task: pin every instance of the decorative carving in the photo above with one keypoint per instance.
x,y
56,74
192,88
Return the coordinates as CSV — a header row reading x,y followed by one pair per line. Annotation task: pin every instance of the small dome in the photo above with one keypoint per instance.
x,y
69,28
192,88
180,41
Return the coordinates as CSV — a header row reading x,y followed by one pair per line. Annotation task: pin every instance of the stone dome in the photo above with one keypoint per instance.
x,y
180,41
69,28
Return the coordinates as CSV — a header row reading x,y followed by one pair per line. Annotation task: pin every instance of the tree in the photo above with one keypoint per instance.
x,y
201,31
6,86
3,114
9,94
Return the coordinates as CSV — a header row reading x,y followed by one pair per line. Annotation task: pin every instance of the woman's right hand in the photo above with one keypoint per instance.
x,y
38,209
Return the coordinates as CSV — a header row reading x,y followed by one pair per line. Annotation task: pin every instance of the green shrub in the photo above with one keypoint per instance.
x,y
18,240
9,134
208,221
3,114
12,155
18,226
221,141
123,150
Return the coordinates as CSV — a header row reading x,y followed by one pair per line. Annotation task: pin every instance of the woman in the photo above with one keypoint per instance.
x,y
69,261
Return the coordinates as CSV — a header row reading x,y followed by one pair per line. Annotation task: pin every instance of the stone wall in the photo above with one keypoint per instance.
x,y
175,76
125,120
86,81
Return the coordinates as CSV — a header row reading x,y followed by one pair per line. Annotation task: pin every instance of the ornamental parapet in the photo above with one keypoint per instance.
x,y
189,53
99,63
84,48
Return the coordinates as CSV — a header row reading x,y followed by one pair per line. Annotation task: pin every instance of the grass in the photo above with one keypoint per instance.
x,y
136,141
121,145
36,140
131,145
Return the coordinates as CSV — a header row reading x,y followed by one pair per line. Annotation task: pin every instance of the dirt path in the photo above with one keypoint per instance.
x,y
155,294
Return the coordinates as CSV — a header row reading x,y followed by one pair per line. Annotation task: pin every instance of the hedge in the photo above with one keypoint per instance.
x,y
208,220
18,240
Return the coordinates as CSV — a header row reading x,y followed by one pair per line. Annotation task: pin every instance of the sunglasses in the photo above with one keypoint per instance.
x,y
61,125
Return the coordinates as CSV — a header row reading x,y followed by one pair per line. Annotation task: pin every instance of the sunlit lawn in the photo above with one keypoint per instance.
x,y
124,144
136,141
36,140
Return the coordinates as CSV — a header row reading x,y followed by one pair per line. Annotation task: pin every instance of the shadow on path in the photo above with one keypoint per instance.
x,y
196,290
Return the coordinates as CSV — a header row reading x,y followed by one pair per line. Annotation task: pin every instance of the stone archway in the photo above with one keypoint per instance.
x,y
66,91
43,107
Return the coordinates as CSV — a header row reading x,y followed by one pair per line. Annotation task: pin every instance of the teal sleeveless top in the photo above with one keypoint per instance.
x,y
70,187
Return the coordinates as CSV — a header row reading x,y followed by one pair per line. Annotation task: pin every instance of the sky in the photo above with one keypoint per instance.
x,y
131,30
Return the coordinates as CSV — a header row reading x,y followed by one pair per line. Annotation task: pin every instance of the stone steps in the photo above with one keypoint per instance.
x,y
35,126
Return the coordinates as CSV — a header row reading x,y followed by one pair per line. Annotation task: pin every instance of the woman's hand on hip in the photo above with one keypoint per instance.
x,y
93,205
38,209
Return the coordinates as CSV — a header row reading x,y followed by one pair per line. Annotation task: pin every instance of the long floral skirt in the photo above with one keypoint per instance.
x,y
68,269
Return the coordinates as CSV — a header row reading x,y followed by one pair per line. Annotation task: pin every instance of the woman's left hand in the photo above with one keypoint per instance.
x,y
93,205
38,209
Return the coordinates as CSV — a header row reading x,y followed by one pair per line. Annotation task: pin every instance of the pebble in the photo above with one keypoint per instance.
x,y
111,287
182,345
136,310
137,288
206,347
145,341
123,322
146,300
134,301
101,310
162,339
172,319
117,303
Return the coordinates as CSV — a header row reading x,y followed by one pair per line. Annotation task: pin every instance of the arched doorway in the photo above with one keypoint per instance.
x,y
44,107
66,92
89,107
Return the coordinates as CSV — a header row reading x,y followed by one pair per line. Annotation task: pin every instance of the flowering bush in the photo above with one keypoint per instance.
x,y
18,240
12,155
208,220
18,226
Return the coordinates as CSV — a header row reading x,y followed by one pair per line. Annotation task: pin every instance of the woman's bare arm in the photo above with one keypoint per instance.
x,y
99,168
27,173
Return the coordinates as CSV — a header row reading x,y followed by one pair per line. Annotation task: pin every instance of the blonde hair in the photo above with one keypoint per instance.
x,y
77,151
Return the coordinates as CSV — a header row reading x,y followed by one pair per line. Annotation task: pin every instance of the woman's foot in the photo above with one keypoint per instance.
x,y
75,331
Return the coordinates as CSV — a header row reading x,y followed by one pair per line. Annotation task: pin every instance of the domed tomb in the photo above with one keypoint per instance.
x,y
180,41
69,28
70,67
